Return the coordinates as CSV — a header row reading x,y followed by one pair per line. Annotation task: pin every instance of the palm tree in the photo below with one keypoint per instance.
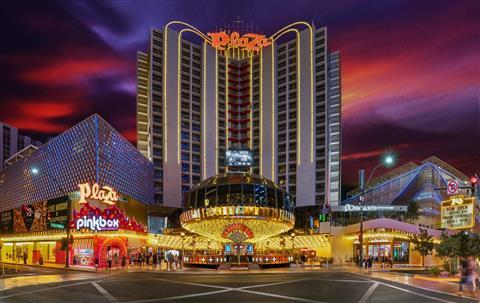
x,y
413,211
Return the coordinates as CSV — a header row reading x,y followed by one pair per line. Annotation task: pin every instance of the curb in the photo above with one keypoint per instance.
x,y
435,279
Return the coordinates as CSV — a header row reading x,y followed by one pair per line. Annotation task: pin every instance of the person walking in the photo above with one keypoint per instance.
x,y
124,261
147,259
463,274
471,272
25,257
154,261
115,260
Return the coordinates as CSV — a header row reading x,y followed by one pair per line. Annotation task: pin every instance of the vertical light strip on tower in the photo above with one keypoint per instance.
x,y
216,112
312,114
165,131
204,171
260,165
251,107
226,104
273,111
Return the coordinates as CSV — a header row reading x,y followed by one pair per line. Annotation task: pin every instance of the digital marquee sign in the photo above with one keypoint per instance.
x,y
458,213
238,157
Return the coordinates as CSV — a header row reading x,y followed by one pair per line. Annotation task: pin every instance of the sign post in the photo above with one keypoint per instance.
x,y
452,187
458,213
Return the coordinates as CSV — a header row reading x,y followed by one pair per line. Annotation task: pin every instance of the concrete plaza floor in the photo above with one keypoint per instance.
x,y
281,285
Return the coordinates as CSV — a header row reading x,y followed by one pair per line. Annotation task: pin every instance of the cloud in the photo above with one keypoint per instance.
x,y
72,71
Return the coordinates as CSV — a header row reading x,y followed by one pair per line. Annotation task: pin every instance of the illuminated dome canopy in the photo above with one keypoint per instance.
x,y
237,207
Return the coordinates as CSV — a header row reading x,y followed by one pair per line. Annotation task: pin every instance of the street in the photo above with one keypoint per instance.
x,y
301,286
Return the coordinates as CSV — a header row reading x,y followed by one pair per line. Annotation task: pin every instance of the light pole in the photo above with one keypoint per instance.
x,y
36,171
182,234
388,159
293,246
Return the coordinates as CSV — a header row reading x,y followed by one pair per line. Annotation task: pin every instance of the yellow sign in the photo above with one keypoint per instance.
x,y
458,213
105,194
250,42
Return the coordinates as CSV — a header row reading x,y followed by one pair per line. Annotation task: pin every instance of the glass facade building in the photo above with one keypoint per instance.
x,y
91,151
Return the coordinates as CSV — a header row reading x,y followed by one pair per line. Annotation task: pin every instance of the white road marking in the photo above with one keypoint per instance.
x,y
228,289
271,284
179,297
423,288
279,296
42,290
368,293
104,292
343,280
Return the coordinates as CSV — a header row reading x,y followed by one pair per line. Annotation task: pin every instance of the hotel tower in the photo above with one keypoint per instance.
x,y
201,94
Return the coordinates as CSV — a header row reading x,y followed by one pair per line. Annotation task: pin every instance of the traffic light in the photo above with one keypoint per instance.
x,y
324,217
474,182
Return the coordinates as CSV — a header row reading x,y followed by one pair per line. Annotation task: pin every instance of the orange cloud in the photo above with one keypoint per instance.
x,y
72,70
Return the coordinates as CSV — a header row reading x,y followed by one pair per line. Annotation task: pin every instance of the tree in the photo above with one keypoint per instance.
x,y
448,249
423,243
413,211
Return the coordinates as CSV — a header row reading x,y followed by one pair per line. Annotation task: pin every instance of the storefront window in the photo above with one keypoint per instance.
x,y
400,252
379,251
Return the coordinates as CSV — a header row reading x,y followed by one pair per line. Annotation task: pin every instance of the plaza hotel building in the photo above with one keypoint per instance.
x,y
199,95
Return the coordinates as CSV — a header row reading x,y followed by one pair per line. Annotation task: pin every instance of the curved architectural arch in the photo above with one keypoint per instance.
x,y
277,35
191,28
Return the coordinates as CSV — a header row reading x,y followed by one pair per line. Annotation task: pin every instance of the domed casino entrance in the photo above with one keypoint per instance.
x,y
237,210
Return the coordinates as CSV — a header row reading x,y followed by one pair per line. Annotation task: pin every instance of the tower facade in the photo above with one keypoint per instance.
x,y
199,95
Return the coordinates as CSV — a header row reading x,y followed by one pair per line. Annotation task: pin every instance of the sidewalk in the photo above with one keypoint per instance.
x,y
437,286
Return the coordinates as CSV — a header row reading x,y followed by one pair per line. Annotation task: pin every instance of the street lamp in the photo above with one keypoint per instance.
x,y
36,171
387,159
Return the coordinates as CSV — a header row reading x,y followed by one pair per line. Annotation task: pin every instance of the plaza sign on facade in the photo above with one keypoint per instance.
x,y
367,208
458,213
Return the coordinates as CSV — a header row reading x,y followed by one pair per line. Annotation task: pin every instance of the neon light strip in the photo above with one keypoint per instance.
x,y
275,37
251,105
273,112
226,105
204,172
192,28
165,132
299,105
216,112
261,118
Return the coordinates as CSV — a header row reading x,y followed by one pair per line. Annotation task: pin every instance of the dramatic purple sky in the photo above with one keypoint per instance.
x,y
410,69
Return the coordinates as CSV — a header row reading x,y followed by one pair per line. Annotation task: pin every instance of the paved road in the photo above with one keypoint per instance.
x,y
143,287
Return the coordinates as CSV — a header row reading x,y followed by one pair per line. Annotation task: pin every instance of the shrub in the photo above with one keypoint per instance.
x,y
435,271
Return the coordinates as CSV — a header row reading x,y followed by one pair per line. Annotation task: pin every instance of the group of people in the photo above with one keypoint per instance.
x,y
469,274
367,262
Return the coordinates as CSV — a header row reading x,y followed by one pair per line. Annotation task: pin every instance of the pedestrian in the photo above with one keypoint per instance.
x,y
463,273
25,257
115,260
471,273
147,259
370,263
154,261
109,261
124,261
96,263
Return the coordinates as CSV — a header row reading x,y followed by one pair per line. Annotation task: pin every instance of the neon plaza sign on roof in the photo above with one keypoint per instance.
x,y
105,194
250,42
